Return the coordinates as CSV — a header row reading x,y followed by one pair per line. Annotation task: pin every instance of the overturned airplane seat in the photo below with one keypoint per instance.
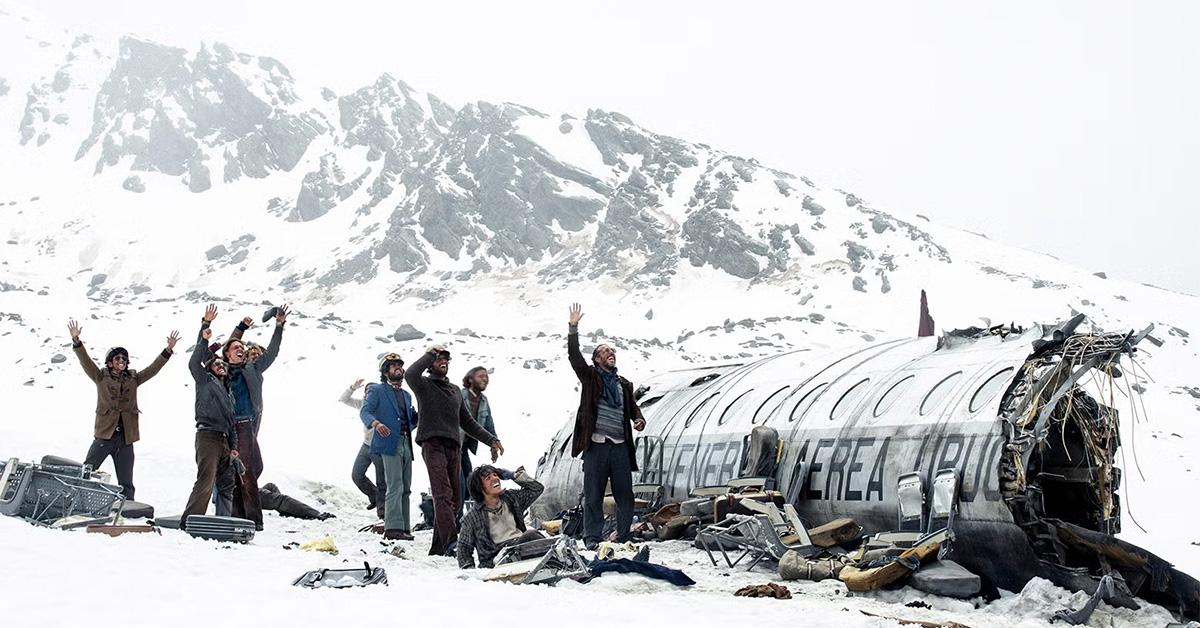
x,y
44,494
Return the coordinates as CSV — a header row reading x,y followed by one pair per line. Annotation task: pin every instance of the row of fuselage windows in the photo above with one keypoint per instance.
x,y
770,407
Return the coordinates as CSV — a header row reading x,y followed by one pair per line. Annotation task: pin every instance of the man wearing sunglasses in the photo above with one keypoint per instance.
x,y
604,427
444,418
116,425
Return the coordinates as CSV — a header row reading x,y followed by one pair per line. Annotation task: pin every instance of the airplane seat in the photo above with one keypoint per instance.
x,y
910,508
760,456
943,501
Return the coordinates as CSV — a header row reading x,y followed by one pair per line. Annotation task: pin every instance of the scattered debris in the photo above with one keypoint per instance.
x,y
769,589
325,544
342,578
946,577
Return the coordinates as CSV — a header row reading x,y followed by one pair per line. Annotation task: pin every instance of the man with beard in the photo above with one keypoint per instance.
x,y
474,383
116,424
602,435
216,439
443,415
245,383
387,409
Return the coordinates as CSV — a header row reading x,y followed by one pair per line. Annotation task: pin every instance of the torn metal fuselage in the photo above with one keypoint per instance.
x,y
1058,473
1026,418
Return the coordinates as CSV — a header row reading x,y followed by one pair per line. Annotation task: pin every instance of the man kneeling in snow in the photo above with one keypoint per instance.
x,y
498,517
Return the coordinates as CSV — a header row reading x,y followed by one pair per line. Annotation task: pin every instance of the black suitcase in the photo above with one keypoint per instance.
x,y
220,528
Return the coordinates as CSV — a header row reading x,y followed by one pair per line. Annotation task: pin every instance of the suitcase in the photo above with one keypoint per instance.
x,y
220,528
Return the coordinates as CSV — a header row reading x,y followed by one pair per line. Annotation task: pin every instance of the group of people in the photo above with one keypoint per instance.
x,y
447,423
229,407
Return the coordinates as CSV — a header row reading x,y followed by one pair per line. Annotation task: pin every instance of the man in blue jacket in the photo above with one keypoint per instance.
x,y
388,410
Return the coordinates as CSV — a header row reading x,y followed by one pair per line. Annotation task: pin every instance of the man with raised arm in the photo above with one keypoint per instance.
x,y
246,383
498,518
376,492
444,418
216,439
116,426
604,427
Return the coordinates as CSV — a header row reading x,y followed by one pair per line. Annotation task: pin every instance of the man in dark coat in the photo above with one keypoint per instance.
x,y
444,419
216,438
604,427
116,426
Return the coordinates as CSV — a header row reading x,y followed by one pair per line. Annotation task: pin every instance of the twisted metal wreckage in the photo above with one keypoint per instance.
x,y
1025,419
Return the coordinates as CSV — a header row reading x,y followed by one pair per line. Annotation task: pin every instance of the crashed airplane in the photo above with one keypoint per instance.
x,y
1019,415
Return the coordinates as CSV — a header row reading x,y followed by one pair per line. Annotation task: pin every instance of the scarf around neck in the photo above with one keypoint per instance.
x,y
611,389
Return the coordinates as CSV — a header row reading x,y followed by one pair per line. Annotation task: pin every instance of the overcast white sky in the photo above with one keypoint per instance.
x,y
1064,127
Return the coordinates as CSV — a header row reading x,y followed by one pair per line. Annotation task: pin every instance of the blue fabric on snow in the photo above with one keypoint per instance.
x,y
650,570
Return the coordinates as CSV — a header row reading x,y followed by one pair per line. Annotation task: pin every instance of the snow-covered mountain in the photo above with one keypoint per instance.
x,y
139,181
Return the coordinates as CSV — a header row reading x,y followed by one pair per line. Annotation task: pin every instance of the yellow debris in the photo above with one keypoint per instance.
x,y
321,545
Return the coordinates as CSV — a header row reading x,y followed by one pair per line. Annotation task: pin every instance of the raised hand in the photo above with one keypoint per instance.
x,y
576,314
281,314
639,424
357,384
247,322
497,449
172,339
74,328
435,349
210,312
207,333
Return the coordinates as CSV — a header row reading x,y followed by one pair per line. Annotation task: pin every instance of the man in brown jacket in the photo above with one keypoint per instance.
x,y
116,428
604,426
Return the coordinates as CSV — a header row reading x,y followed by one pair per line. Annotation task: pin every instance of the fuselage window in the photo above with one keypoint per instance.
x,y
849,399
732,409
938,394
698,408
893,395
765,408
649,402
806,402
990,388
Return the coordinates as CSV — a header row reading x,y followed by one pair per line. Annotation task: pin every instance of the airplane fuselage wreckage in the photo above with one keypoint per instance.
x,y
1024,418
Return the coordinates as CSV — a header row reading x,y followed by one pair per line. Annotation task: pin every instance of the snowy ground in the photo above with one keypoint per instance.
x,y
253,584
